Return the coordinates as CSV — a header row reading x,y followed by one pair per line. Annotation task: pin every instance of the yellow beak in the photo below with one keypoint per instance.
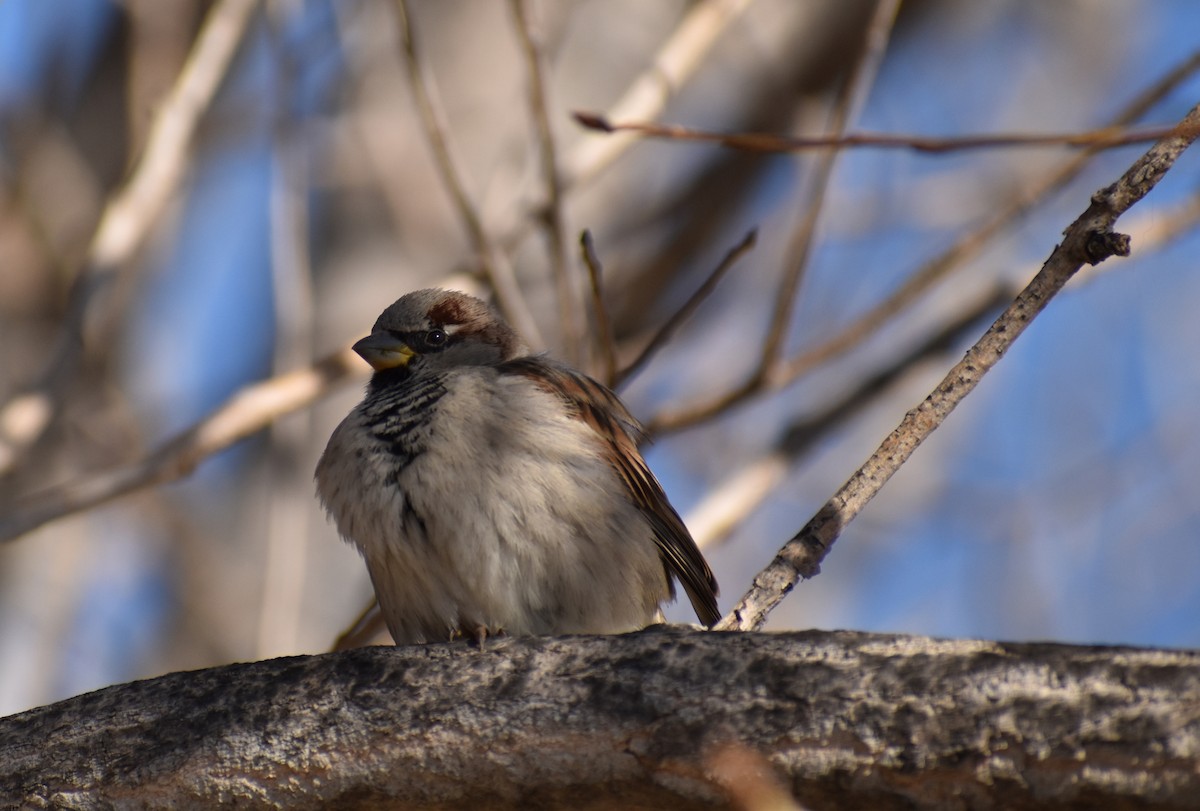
x,y
384,351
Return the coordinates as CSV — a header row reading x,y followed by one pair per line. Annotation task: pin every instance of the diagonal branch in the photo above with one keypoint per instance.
x,y
729,503
604,337
127,219
846,108
247,412
494,266
1089,240
690,306
673,65
551,215
930,273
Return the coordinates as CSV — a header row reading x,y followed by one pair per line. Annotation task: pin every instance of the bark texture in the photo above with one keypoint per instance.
x,y
847,719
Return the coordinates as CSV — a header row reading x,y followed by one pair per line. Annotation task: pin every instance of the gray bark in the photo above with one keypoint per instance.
x,y
847,719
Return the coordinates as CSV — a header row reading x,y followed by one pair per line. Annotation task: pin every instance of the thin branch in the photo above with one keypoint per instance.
x,y
1104,138
495,269
127,218
675,62
1089,240
733,500
851,99
849,102
245,413
690,306
673,65
604,336
551,219
954,257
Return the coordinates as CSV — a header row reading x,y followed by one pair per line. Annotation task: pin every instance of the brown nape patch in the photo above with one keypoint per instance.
x,y
475,318
457,308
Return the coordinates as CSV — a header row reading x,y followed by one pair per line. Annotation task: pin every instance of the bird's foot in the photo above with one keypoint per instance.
x,y
477,633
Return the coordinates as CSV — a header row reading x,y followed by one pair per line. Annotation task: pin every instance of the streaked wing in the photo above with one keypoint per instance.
x,y
617,429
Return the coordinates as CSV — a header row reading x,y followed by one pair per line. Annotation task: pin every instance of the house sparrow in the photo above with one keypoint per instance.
x,y
492,491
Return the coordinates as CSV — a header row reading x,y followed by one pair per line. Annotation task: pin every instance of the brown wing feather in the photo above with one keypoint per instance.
x,y
619,432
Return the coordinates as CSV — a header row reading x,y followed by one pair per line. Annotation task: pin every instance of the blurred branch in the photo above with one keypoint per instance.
x,y
931,272
1089,240
732,501
674,64
245,413
127,219
604,336
690,306
847,106
750,779
1104,138
494,266
551,215
851,98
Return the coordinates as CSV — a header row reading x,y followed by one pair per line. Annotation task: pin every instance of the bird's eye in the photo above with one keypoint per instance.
x,y
435,337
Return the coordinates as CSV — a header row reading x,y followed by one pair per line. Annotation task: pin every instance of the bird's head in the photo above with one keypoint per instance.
x,y
436,330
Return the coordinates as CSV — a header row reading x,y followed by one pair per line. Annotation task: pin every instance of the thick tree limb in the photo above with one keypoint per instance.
x,y
850,720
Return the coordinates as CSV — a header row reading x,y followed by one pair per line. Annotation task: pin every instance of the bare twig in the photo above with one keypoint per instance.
x,y
646,97
247,412
674,63
551,219
685,312
732,501
604,337
128,216
933,271
1088,240
846,107
1104,138
851,99
495,268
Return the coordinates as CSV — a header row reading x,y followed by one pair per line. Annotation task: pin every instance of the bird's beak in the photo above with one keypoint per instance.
x,y
384,351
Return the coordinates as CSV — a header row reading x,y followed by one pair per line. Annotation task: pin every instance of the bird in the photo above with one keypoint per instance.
x,y
496,492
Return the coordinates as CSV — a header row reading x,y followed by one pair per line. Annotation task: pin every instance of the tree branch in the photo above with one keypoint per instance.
x,y
248,411
956,256
127,219
630,721
1104,138
493,264
1089,240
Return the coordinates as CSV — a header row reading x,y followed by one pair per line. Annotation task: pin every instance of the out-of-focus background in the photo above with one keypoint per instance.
x,y
1061,501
